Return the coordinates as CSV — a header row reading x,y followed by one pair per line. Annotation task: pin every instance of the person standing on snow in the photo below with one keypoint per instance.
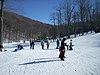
x,y
62,49
47,43
32,44
58,43
42,44
70,46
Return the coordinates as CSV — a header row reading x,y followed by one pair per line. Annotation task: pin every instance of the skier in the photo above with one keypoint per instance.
x,y
70,46
42,44
62,49
32,44
58,43
24,41
47,43
61,55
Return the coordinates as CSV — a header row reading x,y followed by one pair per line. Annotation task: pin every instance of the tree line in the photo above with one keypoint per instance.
x,y
70,17
76,17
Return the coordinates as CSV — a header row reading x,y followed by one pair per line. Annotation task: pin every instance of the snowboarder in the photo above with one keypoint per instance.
x,y
42,44
62,49
58,43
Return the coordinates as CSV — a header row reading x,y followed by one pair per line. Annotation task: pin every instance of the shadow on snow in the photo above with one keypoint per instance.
x,y
41,60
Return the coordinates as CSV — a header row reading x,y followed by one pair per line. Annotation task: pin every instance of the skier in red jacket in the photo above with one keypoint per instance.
x,y
62,49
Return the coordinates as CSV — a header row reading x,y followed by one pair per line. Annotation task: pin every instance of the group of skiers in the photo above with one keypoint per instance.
x,y
47,43
20,47
32,44
42,44
60,47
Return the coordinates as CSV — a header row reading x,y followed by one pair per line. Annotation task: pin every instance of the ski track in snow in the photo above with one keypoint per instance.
x,y
84,59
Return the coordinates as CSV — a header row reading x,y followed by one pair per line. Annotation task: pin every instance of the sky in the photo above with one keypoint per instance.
x,y
39,9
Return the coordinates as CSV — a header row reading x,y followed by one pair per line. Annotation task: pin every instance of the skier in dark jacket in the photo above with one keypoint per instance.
x,y
62,49
47,43
42,44
32,44
58,43
70,46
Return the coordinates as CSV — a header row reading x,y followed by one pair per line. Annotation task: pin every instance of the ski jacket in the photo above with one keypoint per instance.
x,y
62,45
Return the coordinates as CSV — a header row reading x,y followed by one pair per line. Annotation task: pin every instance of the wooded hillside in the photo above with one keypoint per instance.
x,y
17,27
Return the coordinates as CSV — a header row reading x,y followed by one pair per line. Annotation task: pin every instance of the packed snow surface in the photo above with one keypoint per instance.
x,y
84,59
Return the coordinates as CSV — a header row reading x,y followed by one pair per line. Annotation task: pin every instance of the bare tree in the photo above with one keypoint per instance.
x,y
84,16
59,19
1,24
89,16
75,17
97,13
55,28
82,9
68,10
3,2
